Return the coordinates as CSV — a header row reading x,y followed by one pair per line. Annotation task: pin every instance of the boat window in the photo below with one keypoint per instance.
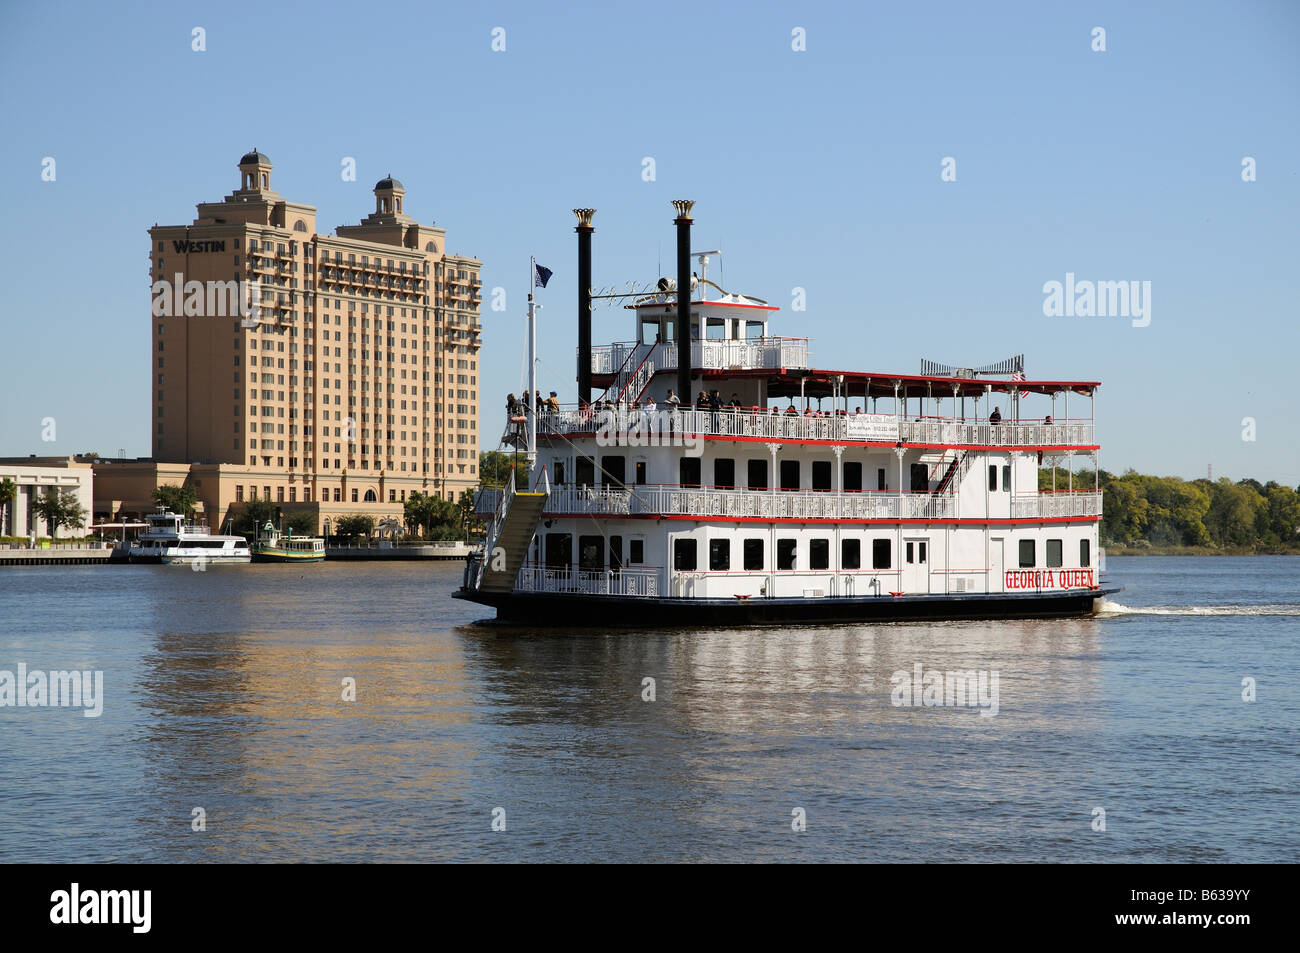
x,y
821,475
1028,558
719,555
920,477
636,551
649,330
881,553
591,552
585,471
1085,553
1006,478
613,470
853,477
684,555
688,469
716,330
819,554
789,474
616,553
880,478
559,472
909,555
559,550
753,554
724,472
758,474
640,473
993,478
1053,554
785,553
753,330
850,554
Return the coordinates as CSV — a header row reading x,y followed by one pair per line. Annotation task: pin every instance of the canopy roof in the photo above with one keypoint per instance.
x,y
822,383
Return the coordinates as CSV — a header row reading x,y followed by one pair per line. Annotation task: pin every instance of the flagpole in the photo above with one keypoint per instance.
x,y
532,365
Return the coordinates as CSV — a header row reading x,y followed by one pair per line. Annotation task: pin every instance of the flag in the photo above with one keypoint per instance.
x,y
541,275
1019,376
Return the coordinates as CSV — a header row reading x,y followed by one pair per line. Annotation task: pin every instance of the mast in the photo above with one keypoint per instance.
x,y
531,411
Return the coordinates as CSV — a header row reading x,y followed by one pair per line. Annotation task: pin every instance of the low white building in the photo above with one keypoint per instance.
x,y
37,477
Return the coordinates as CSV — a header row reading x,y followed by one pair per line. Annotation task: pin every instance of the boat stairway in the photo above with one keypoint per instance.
x,y
509,547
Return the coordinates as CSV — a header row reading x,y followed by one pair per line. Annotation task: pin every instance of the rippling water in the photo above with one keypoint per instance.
x,y
223,691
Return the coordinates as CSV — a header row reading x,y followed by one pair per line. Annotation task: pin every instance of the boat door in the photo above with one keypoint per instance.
x,y
916,565
996,565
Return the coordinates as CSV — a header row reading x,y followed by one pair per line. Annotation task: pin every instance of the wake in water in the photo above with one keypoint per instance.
x,y
1110,609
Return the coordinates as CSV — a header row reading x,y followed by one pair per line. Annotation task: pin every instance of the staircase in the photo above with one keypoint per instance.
x,y
633,377
510,535
948,478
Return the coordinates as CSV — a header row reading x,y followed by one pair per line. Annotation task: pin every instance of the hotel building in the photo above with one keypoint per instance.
x,y
355,386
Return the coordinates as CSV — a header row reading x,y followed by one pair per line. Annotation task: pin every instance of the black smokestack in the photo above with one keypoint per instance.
x,y
584,231
683,223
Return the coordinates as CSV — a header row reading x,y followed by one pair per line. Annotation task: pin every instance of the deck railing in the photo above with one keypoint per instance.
x,y
1056,505
755,423
597,582
736,503
769,352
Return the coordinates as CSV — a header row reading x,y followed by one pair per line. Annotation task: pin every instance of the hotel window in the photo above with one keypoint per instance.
x,y
785,553
392,496
293,494
1085,553
850,554
1054,554
753,554
239,493
881,553
336,495
279,494
266,490
719,555
1028,558
354,495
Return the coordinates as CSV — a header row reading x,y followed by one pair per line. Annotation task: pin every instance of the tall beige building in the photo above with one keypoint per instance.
x,y
357,383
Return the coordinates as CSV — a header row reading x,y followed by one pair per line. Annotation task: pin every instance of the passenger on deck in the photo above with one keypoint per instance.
x,y
512,405
1047,419
553,404
996,416
735,399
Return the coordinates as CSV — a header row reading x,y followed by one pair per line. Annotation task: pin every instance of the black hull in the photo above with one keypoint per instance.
x,y
586,611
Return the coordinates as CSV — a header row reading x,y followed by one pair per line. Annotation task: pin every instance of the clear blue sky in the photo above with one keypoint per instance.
x,y
817,169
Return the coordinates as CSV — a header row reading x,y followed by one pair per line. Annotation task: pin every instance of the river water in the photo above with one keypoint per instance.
x,y
223,691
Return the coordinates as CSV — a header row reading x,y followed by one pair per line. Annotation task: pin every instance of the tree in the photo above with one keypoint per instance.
x,y
299,522
354,526
494,468
256,515
429,512
8,493
60,508
178,499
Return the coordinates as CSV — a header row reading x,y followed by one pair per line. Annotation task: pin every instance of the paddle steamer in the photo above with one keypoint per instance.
x,y
789,493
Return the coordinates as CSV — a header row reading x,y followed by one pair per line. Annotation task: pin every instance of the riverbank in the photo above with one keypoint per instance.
x,y
1113,550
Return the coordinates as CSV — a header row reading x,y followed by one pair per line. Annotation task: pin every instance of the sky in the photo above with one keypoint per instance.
x,y
818,168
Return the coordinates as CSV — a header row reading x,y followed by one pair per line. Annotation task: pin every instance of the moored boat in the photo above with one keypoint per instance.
x,y
272,546
171,538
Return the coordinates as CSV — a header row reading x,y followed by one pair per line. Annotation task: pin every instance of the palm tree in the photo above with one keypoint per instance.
x,y
8,493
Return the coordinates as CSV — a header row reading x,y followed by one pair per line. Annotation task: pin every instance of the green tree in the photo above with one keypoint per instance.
x,y
299,522
178,499
8,493
354,526
60,508
256,515
1232,513
429,512
1284,513
494,468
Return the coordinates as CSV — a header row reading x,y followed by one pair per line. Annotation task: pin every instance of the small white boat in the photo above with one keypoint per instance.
x,y
171,538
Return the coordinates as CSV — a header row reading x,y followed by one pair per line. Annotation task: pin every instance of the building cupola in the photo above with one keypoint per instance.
x,y
255,172
388,196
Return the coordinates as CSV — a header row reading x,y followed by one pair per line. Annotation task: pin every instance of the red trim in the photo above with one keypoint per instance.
x,y
809,519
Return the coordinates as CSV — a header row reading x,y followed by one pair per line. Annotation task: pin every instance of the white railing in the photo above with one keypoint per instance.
x,y
725,355
765,425
501,508
607,582
759,504
1056,505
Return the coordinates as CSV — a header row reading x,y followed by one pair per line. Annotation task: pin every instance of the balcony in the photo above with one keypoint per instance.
x,y
719,503
760,353
1060,505
758,423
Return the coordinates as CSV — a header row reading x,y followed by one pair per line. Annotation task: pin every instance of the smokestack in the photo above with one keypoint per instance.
x,y
683,223
584,230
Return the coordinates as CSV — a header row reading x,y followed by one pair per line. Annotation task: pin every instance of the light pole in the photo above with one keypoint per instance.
x,y
327,531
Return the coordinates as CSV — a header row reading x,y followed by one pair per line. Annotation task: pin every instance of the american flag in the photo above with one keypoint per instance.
x,y
1020,376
